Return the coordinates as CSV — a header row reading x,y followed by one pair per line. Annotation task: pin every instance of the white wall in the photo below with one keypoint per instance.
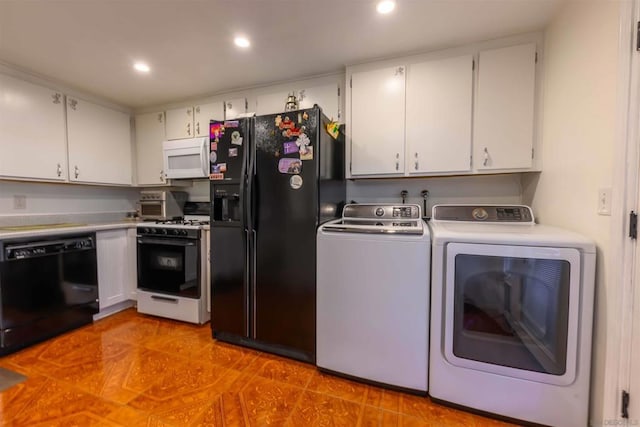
x,y
578,135
46,201
459,189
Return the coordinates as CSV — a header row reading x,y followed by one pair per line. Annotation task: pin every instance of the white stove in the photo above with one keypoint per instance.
x,y
172,262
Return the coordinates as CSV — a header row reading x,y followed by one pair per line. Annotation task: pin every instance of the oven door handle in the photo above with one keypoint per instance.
x,y
166,242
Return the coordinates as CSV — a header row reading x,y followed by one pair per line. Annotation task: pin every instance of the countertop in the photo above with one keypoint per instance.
x,y
62,229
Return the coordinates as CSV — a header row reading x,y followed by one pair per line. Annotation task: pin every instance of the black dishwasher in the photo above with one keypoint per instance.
x,y
47,286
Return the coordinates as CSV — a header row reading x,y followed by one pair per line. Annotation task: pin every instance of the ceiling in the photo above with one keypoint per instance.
x,y
90,45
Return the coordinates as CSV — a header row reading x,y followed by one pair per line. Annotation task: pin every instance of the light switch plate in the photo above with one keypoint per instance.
x,y
604,201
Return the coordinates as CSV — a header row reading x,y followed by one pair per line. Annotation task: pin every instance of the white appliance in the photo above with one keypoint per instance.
x,y
511,314
161,205
186,158
172,266
373,295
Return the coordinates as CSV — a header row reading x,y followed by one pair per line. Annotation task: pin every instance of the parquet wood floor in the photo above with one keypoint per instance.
x,y
136,370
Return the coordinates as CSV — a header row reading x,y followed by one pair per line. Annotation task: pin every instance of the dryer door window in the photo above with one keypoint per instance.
x,y
513,309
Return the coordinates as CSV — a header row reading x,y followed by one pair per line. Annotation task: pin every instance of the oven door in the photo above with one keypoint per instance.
x,y
513,310
169,265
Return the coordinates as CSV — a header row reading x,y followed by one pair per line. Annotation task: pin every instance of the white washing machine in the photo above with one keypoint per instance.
x,y
373,295
511,314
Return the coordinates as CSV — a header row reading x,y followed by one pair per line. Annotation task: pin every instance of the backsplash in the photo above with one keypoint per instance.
x,y
505,188
28,203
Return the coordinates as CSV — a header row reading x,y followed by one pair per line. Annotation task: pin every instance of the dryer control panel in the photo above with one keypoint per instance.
x,y
483,213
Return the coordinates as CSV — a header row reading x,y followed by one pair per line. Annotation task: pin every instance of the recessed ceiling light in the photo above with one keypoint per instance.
x,y
241,41
385,6
141,67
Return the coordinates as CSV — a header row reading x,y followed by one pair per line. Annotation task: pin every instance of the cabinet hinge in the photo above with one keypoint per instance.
x,y
473,64
246,104
471,161
633,225
536,57
533,152
350,167
625,405
638,37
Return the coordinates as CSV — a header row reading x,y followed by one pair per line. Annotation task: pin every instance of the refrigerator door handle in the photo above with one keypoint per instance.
x,y
253,287
247,283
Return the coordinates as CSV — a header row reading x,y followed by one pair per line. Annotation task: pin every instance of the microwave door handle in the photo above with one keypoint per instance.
x,y
204,157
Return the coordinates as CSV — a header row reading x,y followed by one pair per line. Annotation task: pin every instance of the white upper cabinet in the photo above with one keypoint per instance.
x,y
180,123
99,143
191,122
32,131
325,96
149,136
234,107
377,121
204,113
438,119
504,114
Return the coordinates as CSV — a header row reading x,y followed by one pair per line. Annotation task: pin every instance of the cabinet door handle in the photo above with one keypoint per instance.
x,y
486,157
198,109
416,161
59,170
162,175
397,161
76,171
160,117
188,128
56,98
189,112
198,128
73,104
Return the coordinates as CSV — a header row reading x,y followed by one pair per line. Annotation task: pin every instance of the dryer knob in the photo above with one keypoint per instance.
x,y
479,214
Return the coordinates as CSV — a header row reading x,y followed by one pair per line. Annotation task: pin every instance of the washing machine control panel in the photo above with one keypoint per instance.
x,y
483,213
386,212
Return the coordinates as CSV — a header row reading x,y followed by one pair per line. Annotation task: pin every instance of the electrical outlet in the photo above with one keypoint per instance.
x,y
19,202
604,201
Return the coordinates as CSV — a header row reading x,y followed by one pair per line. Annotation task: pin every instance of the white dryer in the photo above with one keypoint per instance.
x,y
373,295
511,314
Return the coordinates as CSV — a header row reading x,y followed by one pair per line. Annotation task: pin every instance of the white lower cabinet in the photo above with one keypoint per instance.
x,y
116,252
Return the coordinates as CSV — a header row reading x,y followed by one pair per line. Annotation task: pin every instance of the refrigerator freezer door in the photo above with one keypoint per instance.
x,y
285,218
229,140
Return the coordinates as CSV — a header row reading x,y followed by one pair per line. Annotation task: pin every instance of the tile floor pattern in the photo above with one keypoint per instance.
x,y
136,370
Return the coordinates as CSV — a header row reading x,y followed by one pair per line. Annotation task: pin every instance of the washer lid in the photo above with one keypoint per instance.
x,y
369,226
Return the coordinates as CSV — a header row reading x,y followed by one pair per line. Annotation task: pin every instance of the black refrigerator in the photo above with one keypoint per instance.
x,y
274,180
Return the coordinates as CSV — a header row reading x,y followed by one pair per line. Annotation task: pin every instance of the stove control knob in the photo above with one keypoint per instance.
x,y
144,230
184,232
162,231
175,232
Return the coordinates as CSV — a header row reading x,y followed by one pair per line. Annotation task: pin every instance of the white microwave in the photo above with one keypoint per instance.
x,y
186,158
